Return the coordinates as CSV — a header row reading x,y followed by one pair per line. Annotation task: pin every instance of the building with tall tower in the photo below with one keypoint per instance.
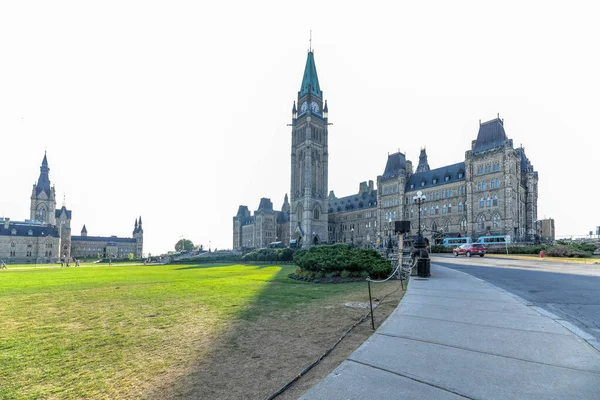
x,y
46,236
493,191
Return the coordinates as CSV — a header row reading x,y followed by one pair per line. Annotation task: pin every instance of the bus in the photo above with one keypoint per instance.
x,y
456,241
493,240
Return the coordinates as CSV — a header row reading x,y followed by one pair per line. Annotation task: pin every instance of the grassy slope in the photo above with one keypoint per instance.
x,y
107,332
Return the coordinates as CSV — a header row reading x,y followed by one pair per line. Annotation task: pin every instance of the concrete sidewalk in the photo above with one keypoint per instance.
x,y
454,336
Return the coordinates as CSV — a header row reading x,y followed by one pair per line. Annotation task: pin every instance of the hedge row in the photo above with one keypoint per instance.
x,y
269,255
341,259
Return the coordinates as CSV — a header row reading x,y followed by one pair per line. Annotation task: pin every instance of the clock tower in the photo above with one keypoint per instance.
x,y
308,200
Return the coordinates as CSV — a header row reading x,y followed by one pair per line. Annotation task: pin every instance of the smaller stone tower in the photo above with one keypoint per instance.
x,y
84,231
43,197
63,221
138,235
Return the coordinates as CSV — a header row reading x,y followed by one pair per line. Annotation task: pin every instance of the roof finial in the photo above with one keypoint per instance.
x,y
310,42
498,115
64,200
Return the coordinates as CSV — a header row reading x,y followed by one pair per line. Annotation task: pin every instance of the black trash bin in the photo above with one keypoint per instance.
x,y
423,265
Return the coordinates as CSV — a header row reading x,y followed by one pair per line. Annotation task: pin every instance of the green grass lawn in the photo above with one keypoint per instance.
x,y
110,332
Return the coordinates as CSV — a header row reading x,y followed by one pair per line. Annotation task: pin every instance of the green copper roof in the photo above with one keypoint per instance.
x,y
310,81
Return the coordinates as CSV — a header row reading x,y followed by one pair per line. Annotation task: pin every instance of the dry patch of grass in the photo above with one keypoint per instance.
x,y
258,355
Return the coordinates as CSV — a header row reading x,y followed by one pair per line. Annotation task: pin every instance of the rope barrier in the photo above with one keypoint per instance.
x,y
318,360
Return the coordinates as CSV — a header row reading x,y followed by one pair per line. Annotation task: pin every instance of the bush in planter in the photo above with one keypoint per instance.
x,y
339,258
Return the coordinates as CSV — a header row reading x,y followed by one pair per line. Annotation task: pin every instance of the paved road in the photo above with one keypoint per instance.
x,y
569,290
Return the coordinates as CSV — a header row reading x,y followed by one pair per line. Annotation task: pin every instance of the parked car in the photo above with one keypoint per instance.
x,y
469,250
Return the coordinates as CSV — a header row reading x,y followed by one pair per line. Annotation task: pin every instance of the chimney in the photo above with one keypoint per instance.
x,y
371,186
6,222
362,188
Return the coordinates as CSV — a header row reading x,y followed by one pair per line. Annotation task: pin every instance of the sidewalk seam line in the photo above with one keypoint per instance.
x,y
412,379
475,309
464,298
489,326
494,326
492,354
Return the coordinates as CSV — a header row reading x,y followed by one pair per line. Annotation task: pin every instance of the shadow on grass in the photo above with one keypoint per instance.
x,y
269,341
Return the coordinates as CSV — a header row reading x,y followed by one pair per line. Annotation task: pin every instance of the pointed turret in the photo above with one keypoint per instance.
x,y
43,183
423,164
286,205
140,230
84,231
310,81
294,111
325,110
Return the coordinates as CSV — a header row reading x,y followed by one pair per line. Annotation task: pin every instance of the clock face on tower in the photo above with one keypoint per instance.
x,y
303,108
314,107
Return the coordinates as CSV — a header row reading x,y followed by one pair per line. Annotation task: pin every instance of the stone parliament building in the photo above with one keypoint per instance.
x,y
46,236
493,191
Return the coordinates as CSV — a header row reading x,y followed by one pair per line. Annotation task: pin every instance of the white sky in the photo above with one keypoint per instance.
x,y
177,111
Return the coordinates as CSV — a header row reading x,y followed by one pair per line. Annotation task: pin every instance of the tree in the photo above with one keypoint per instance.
x,y
184,244
130,256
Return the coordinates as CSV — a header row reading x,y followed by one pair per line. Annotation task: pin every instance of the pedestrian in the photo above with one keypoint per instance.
x,y
3,266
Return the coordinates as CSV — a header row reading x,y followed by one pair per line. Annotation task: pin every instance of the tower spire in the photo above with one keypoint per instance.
x,y
310,42
43,183
310,80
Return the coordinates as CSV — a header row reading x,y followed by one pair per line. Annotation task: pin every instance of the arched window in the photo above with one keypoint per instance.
x,y
316,213
434,227
449,208
437,210
412,213
447,226
444,209
463,225
432,211
488,203
481,223
496,221
425,211
495,200
41,213
497,183
299,211
460,208
481,203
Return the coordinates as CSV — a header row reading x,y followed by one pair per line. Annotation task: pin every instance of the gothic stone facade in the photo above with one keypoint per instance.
x,y
494,191
266,226
46,236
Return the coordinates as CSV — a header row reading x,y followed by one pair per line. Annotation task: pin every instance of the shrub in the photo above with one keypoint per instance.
x,y
560,250
440,248
345,274
340,258
266,254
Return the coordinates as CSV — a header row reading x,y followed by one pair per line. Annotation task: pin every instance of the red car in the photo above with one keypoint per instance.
x,y
469,250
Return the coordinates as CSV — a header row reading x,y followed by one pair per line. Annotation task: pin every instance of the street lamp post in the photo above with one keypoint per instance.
x,y
352,237
423,262
419,199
